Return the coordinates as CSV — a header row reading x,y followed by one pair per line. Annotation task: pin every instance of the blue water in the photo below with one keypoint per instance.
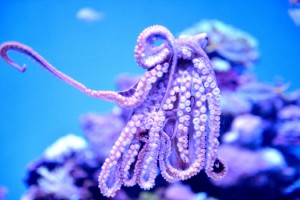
x,y
36,108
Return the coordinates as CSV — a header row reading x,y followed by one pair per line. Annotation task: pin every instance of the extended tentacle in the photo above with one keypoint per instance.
x,y
117,97
199,115
215,167
146,54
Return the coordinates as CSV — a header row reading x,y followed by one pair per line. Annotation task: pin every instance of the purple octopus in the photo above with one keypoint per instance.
x,y
175,122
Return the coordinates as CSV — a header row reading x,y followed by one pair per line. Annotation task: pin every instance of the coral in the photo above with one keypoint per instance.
x,y
169,120
246,130
244,163
65,171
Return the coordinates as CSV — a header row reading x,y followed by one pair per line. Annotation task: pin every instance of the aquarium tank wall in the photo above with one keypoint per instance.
x,y
206,102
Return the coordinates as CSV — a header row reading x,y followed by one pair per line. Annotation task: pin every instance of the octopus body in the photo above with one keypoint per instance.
x,y
175,123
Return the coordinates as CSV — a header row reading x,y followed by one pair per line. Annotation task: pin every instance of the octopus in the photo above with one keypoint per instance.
x,y
175,121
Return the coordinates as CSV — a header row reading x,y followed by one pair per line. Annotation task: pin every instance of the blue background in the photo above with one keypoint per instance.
x,y
36,108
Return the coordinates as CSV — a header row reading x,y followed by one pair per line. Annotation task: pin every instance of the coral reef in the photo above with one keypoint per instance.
x,y
259,128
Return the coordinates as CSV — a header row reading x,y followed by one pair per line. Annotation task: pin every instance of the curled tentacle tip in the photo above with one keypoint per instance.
x,y
147,54
219,169
23,68
18,67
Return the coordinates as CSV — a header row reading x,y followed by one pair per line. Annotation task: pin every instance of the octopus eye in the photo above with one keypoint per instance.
x,y
203,40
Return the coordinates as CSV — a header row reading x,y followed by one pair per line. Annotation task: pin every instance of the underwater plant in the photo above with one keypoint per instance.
x,y
175,122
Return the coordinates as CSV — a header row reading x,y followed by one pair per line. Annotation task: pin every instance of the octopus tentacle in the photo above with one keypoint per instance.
x,y
137,95
172,173
184,117
163,154
110,179
10,46
215,168
172,170
200,122
199,117
146,167
135,99
146,54
129,158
